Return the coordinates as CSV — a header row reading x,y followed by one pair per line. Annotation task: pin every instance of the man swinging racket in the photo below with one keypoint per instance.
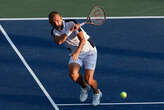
x,y
82,53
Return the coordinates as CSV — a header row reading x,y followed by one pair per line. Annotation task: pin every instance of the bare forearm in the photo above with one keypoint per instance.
x,y
62,38
81,44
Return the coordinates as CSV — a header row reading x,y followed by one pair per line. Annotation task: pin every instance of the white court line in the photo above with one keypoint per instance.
x,y
28,68
124,17
108,104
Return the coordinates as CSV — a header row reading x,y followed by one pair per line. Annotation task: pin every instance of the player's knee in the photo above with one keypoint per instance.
x,y
74,76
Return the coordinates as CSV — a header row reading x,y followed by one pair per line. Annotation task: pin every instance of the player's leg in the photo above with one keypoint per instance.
x,y
74,68
89,78
74,74
90,64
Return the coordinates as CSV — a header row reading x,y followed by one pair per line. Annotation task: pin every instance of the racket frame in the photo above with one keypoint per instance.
x,y
89,21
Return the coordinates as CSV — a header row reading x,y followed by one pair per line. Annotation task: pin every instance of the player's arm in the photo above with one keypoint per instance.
x,y
60,39
81,44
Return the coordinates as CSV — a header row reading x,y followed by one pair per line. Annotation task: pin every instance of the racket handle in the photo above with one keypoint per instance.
x,y
81,24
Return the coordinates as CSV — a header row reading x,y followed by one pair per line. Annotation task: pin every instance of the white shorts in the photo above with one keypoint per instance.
x,y
87,59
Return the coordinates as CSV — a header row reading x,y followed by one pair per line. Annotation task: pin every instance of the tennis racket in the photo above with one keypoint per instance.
x,y
96,16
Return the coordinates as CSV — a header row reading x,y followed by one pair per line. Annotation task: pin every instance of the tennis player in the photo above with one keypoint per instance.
x,y
82,53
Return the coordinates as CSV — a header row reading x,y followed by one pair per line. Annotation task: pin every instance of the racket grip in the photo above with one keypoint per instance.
x,y
81,24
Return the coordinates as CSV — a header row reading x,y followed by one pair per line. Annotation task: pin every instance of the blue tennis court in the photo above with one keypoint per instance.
x,y
130,58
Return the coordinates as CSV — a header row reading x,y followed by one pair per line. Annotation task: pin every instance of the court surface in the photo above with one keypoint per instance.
x,y
130,58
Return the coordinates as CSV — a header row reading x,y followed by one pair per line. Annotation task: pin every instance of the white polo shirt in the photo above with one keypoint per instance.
x,y
72,42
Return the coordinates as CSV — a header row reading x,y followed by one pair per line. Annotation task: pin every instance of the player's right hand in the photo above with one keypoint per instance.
x,y
77,26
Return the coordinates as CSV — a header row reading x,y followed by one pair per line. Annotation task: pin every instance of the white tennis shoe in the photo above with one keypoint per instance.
x,y
84,93
96,98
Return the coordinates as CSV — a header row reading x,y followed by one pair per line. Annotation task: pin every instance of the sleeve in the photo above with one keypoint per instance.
x,y
54,33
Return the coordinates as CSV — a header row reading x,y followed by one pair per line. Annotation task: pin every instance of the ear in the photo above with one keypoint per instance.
x,y
61,17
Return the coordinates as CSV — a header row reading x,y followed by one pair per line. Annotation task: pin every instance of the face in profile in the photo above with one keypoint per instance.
x,y
57,19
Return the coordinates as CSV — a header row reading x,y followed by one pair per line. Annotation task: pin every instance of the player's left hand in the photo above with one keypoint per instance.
x,y
77,26
75,56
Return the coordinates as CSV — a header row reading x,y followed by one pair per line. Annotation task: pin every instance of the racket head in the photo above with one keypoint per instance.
x,y
96,16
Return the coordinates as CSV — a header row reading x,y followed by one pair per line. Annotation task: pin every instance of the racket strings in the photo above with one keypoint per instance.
x,y
97,16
